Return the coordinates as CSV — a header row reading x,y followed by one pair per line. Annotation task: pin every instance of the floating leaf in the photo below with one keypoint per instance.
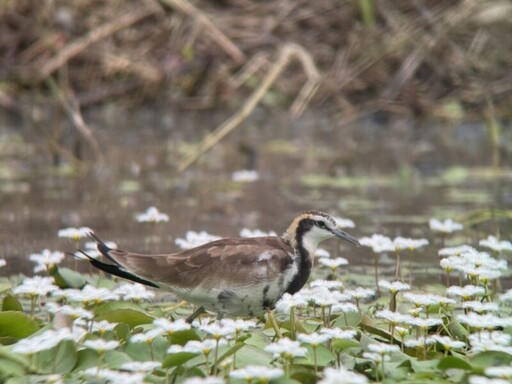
x,y
176,359
67,278
16,324
490,359
451,362
60,359
11,303
86,358
123,312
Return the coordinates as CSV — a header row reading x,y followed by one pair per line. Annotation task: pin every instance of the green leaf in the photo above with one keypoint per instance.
x,y
250,355
67,278
115,359
11,303
16,324
9,368
176,359
450,362
340,344
489,359
457,330
86,358
182,337
123,312
60,359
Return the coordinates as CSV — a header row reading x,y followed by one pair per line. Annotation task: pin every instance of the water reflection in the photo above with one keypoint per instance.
x,y
388,179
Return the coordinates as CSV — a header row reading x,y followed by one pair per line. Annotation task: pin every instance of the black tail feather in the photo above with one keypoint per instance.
x,y
113,269
102,247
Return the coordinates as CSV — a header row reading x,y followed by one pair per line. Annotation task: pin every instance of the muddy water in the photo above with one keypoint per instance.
x,y
388,176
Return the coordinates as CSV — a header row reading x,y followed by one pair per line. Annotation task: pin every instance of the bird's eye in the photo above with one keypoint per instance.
x,y
321,224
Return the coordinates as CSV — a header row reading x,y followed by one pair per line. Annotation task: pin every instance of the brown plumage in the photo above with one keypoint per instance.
x,y
235,276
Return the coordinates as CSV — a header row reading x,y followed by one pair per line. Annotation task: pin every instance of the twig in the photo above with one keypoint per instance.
x,y
216,34
103,31
288,52
72,108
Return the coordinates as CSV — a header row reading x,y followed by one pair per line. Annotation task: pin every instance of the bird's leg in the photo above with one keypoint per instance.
x,y
274,323
196,313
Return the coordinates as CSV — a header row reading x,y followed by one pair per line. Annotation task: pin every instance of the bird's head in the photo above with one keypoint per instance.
x,y
312,227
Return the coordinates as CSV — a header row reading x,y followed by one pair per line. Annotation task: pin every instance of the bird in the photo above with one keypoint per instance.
x,y
235,277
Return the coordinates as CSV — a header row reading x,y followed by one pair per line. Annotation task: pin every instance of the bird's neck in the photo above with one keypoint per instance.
x,y
303,252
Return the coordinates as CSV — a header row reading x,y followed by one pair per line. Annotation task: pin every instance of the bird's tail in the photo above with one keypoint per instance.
x,y
113,268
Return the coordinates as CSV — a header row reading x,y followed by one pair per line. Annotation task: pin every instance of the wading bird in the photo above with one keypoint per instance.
x,y
232,276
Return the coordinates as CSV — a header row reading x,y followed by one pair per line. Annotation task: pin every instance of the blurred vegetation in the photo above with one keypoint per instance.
x,y
421,58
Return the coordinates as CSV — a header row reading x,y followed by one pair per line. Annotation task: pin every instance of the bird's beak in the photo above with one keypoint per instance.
x,y
345,236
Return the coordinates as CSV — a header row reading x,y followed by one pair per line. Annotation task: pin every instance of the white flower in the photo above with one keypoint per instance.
x,y
195,239
344,308
286,349
141,366
503,372
447,226
451,263
135,291
255,233
421,342
342,376
73,312
424,323
376,357
46,260
115,377
328,284
101,345
323,297
401,243
485,380
333,263
486,321
378,243
245,176
289,301
147,337
466,292
394,287
480,307
321,252
171,327
498,246
456,251
204,347
42,342
152,215
87,295
239,325
360,293
447,342
74,233
507,296
392,317
36,286
314,339
103,326
3,263
344,223
337,333
258,372
217,330
427,299
383,349
490,341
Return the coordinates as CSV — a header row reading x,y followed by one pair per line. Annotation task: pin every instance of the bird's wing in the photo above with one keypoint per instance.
x,y
236,261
